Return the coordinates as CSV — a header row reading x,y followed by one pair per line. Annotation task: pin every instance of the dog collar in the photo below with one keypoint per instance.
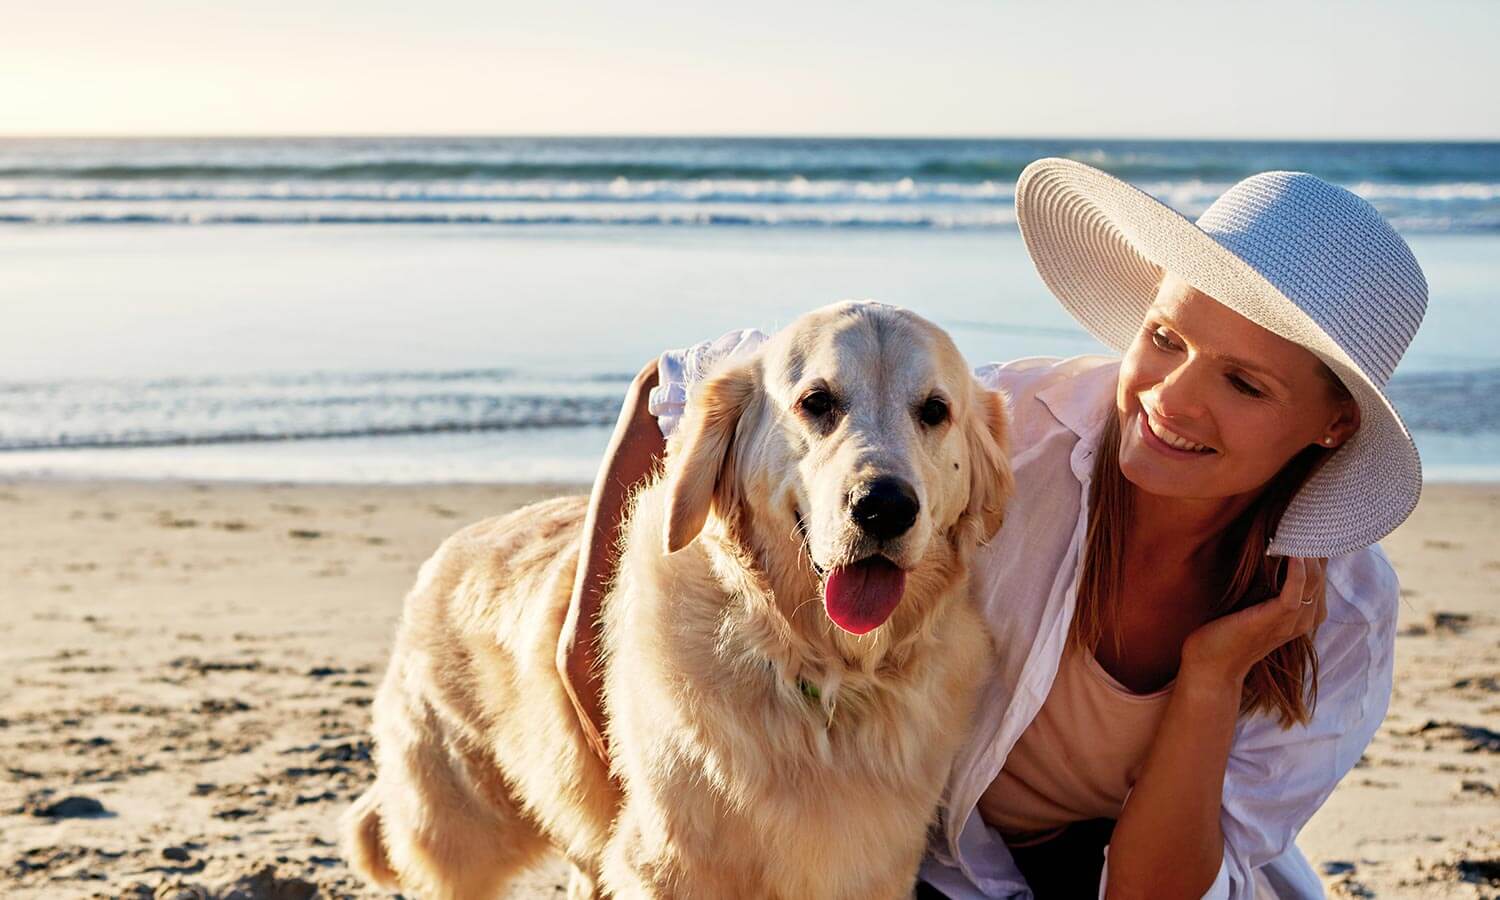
x,y
809,690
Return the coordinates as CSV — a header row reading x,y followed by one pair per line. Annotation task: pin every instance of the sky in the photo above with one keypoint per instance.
x,y
1268,70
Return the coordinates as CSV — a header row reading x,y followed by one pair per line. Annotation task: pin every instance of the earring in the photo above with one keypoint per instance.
x,y
1328,441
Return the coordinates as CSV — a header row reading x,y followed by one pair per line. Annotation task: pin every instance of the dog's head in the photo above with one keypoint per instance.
x,y
856,447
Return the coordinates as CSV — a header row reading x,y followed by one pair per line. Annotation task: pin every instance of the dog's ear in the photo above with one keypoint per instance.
x,y
699,473
990,477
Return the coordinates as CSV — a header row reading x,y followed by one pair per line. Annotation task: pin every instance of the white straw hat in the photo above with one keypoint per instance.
x,y
1300,257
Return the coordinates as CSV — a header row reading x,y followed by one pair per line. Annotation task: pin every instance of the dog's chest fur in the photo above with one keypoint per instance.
x,y
734,742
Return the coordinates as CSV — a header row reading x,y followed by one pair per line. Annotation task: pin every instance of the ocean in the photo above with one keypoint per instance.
x,y
467,309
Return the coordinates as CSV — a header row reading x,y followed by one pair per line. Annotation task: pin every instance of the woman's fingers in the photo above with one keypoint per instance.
x,y
1293,587
1316,591
1304,597
1301,607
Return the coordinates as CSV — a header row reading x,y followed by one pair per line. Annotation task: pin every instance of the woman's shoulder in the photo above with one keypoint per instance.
x,y
1032,374
1362,587
1045,393
1049,380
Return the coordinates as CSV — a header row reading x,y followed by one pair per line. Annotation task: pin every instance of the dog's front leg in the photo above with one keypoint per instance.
x,y
650,858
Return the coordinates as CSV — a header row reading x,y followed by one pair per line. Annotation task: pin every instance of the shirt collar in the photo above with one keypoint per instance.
x,y
1082,404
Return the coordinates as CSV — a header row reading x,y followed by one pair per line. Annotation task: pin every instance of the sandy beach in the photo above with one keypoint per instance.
x,y
187,670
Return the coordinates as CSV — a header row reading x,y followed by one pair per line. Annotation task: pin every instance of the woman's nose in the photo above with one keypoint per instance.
x,y
1180,394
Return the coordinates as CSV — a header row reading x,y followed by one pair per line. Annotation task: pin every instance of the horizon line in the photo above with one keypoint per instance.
x,y
763,136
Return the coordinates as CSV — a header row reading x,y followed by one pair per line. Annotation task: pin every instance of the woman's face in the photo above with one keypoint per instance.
x,y
1211,405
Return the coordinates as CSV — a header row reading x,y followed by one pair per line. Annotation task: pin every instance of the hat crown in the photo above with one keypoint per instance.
x,y
1329,252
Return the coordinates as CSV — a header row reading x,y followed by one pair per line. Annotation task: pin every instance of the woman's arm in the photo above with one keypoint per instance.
x,y
633,452
1168,842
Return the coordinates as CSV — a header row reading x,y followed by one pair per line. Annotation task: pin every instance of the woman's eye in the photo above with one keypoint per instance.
x,y
817,403
934,412
1161,340
1245,387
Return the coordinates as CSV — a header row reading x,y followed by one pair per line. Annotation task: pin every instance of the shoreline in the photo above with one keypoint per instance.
x,y
198,657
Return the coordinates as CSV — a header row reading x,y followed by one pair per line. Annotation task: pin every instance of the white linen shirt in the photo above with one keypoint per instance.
x,y
1025,582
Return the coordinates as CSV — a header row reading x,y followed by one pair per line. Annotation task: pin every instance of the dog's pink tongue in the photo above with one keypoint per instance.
x,y
860,597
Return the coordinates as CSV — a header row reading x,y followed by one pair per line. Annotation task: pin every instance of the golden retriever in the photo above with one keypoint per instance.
x,y
790,655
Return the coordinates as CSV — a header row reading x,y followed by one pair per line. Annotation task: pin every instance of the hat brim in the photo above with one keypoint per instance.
x,y
1101,246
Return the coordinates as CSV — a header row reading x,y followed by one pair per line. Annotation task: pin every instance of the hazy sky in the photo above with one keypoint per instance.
x,y
1371,69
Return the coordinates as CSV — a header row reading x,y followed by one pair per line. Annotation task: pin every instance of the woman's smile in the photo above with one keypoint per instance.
x,y
1159,437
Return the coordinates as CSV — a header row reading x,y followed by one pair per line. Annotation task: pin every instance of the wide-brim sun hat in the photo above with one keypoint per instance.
x,y
1302,258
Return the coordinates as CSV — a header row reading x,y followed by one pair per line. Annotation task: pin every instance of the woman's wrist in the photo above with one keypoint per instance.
x,y
1211,677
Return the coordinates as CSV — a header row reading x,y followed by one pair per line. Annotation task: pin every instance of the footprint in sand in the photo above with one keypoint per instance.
x,y
1475,738
167,519
1450,622
1476,787
1486,684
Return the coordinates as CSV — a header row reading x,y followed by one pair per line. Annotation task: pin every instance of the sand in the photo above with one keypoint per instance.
x,y
186,669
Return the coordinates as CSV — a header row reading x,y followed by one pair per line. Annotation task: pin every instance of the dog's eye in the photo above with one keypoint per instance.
x,y
934,412
816,403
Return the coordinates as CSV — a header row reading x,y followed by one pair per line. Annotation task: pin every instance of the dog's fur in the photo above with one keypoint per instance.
x,y
758,750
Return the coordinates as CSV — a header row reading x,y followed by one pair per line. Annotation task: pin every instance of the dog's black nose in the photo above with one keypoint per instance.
x,y
887,510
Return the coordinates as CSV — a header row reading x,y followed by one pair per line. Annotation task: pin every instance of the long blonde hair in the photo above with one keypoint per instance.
x,y
1285,682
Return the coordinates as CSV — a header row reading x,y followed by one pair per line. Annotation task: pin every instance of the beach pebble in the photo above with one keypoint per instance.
x,y
222,707
352,751
1337,867
1480,871
72,808
177,854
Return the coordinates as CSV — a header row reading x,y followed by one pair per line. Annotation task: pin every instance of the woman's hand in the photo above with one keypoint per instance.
x,y
1224,650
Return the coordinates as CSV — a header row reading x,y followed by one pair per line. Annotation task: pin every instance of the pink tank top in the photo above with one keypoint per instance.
x,y
1079,757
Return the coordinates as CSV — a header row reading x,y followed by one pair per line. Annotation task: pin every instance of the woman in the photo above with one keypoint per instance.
x,y
1182,678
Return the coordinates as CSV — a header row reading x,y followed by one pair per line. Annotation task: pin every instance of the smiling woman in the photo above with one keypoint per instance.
x,y
1199,424
1248,426
1240,434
